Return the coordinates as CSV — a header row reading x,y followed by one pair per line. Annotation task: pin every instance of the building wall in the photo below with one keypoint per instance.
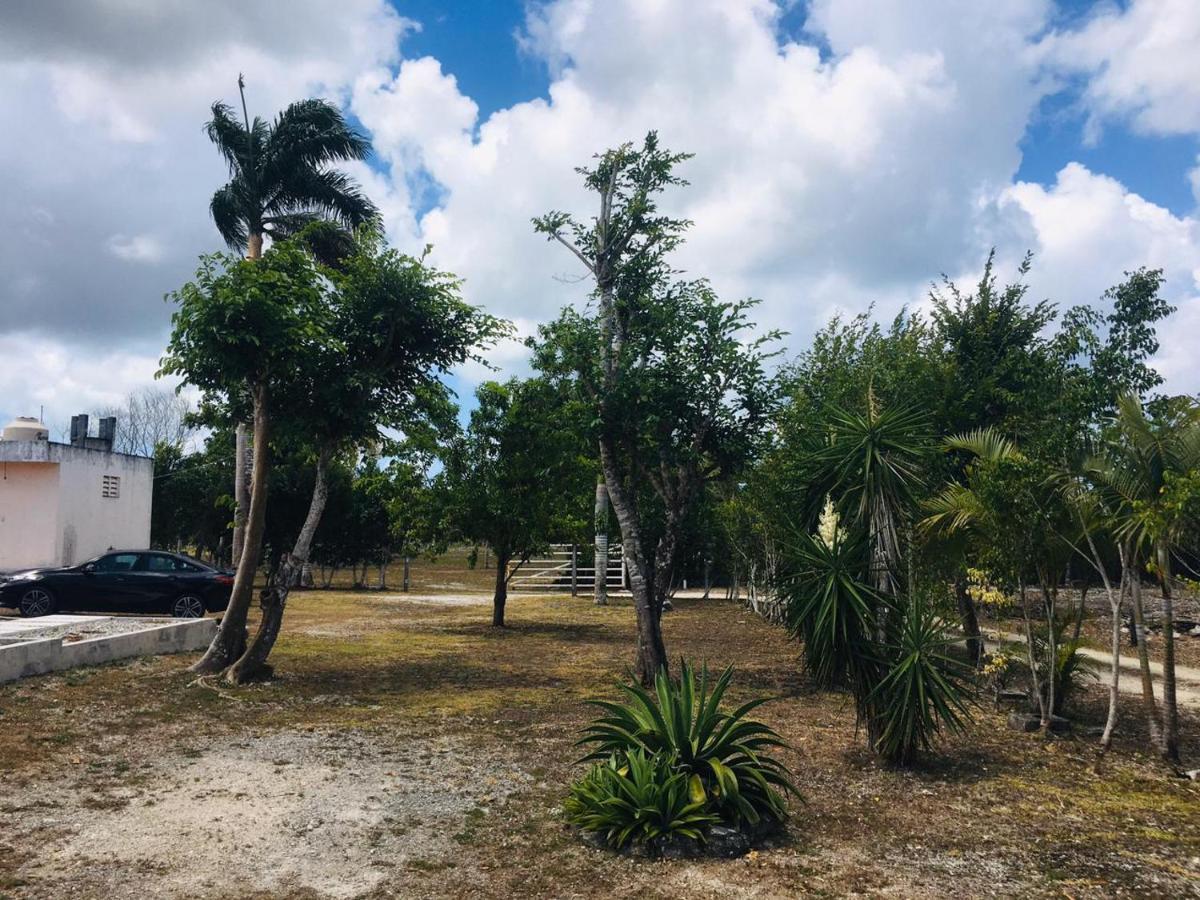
x,y
52,506
28,514
90,523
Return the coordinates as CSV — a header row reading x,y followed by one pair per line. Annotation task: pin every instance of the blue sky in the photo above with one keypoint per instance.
x,y
476,42
847,152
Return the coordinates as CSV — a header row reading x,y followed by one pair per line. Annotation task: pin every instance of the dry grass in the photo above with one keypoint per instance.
x,y
995,813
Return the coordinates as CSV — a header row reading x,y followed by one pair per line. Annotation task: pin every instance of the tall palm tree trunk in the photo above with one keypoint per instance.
x,y
230,639
253,663
1170,716
243,469
1149,707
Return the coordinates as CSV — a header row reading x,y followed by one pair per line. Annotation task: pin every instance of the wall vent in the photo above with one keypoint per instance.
x,y
110,487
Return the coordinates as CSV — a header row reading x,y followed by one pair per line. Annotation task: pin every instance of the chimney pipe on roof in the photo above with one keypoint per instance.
x,y
108,431
79,430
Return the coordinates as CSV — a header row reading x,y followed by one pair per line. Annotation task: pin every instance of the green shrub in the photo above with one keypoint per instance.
x,y
633,798
728,753
1074,671
707,766
923,689
831,609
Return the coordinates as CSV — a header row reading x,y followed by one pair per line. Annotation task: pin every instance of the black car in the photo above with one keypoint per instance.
x,y
121,581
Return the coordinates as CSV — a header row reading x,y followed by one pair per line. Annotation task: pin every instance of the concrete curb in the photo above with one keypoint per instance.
x,y
36,657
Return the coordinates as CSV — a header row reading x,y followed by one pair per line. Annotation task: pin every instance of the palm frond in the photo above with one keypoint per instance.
x,y
229,215
986,443
313,133
330,194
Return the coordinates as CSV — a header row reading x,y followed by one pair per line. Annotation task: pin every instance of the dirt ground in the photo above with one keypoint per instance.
x,y
407,749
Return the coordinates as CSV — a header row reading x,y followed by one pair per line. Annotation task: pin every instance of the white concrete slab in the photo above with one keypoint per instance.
x,y
38,655
13,626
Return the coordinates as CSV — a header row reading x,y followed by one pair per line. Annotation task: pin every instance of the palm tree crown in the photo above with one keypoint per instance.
x,y
280,180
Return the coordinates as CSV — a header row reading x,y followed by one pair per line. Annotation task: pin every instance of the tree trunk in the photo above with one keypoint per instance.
x,y
651,652
273,600
241,492
1052,700
1080,611
405,583
1114,604
383,575
1149,707
970,619
500,597
242,464
600,591
1033,674
230,639
1170,713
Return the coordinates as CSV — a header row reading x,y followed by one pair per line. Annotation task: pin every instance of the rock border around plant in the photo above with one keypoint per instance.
x,y
721,842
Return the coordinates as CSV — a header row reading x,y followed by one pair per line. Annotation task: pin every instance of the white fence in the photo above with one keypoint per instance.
x,y
562,570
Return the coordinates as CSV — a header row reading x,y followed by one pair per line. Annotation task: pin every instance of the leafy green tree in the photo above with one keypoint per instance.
x,y
395,326
518,478
677,388
191,504
1022,531
244,330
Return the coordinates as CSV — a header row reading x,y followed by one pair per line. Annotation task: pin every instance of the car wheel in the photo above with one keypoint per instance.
x,y
187,606
37,601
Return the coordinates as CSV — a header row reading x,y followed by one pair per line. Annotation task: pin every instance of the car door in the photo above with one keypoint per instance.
x,y
110,583
156,580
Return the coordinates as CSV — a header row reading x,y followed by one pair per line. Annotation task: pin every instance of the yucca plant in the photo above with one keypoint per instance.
x,y
924,690
633,798
831,607
725,757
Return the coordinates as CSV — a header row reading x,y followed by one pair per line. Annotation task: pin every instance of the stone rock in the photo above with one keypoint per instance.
x,y
1012,698
1019,721
727,842
1059,725
675,846
1193,774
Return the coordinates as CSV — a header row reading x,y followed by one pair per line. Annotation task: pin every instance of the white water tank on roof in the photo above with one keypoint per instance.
x,y
25,428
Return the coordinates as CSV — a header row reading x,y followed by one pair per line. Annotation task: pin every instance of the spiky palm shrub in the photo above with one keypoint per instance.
x,y
923,690
906,687
633,798
831,608
724,756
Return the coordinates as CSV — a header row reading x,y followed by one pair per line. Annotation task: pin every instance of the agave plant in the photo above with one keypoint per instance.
x,y
924,690
634,798
725,757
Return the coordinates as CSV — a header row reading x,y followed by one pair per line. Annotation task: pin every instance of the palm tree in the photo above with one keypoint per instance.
x,y
280,186
280,182
961,510
1135,473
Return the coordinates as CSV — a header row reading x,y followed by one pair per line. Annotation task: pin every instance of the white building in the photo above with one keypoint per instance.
x,y
61,504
